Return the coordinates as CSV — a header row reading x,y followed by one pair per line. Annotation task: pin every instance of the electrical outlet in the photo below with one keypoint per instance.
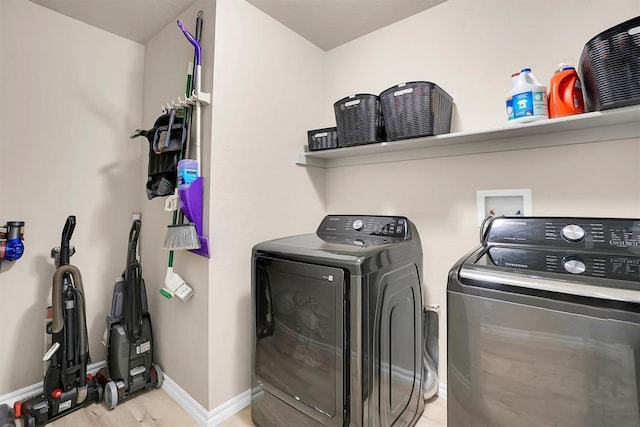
x,y
504,202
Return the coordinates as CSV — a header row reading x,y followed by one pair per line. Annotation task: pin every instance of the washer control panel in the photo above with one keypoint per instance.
x,y
609,266
359,225
572,233
585,233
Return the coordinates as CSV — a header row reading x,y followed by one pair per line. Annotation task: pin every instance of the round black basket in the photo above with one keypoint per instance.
x,y
610,67
359,120
416,109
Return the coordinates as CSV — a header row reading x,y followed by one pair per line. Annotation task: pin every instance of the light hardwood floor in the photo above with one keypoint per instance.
x,y
148,409
156,408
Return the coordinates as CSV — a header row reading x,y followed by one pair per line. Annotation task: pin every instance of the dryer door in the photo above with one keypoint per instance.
x,y
299,350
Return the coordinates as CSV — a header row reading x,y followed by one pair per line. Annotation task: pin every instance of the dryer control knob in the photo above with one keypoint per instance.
x,y
574,265
358,224
572,233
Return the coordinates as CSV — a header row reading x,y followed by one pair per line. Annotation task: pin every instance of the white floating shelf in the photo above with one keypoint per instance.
x,y
608,125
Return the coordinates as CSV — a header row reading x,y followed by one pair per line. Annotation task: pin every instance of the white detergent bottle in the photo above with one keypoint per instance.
x,y
509,97
529,100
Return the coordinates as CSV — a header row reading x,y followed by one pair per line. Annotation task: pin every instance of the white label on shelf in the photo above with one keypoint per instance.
x,y
403,91
321,134
350,103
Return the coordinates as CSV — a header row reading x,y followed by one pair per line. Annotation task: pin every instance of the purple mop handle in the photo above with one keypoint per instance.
x,y
193,41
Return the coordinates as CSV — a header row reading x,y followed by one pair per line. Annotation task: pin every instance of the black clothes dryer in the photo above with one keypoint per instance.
x,y
337,325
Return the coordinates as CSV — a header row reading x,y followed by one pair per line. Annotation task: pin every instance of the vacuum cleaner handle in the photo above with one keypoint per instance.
x,y
134,235
67,232
81,319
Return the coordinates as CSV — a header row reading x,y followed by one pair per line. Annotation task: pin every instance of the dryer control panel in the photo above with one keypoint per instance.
x,y
358,225
617,235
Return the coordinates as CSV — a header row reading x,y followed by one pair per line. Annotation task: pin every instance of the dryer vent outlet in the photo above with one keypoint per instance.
x,y
515,202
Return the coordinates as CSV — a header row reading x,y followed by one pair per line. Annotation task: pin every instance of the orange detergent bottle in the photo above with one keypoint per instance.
x,y
565,93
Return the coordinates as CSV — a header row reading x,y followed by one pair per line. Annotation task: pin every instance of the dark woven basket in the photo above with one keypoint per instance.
x,y
359,120
610,67
416,109
322,139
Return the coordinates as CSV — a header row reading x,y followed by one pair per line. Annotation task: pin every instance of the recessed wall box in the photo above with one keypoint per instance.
x,y
512,202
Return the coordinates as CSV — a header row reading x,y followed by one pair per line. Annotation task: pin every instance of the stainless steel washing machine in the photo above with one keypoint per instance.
x,y
544,325
337,325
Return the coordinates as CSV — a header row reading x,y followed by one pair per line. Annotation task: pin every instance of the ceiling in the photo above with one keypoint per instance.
x,y
326,23
137,20
331,23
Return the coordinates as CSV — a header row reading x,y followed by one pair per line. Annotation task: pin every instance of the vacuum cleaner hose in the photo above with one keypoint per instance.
x,y
81,320
56,297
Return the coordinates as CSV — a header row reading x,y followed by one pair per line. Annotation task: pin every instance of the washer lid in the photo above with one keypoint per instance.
x,y
576,265
606,276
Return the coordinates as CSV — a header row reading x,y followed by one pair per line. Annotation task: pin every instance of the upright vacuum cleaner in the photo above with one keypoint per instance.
x,y
128,337
67,386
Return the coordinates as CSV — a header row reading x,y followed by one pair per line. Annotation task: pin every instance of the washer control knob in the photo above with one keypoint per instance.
x,y
574,265
358,224
572,233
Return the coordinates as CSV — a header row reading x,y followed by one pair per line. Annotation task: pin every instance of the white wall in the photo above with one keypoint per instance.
x,y
70,95
181,330
471,48
267,83
76,95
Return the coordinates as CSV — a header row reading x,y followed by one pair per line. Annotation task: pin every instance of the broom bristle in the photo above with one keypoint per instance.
x,y
181,237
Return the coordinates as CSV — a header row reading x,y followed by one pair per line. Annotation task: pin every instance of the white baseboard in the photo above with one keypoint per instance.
x,y
34,389
196,411
184,399
229,408
442,391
